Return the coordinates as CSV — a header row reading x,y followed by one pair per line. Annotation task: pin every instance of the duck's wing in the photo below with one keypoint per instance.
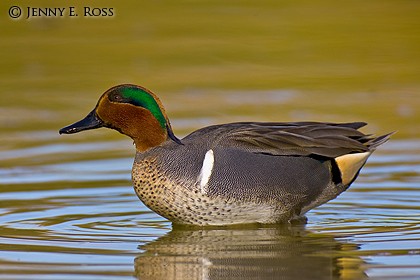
x,y
299,138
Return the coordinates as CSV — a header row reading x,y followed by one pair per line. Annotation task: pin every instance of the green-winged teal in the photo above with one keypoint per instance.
x,y
246,172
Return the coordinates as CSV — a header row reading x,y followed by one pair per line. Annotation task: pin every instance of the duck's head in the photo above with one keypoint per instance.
x,y
132,110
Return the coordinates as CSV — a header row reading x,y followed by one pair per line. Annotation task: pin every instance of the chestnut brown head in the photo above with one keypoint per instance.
x,y
132,110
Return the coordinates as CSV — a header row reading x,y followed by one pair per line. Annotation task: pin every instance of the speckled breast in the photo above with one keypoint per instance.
x,y
185,203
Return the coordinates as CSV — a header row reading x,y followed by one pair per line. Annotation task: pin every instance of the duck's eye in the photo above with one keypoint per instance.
x,y
116,97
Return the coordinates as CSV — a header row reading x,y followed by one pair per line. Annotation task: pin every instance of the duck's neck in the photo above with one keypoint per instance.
x,y
155,137
145,132
149,139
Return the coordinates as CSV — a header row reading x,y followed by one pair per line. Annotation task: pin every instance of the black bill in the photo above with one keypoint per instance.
x,y
91,121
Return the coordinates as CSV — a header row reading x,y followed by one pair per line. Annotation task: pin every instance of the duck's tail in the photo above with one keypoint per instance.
x,y
350,164
373,143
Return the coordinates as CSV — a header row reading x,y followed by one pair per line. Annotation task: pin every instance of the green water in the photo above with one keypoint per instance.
x,y
67,208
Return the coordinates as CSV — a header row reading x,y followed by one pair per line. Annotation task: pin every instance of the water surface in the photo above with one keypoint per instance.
x,y
67,207
68,210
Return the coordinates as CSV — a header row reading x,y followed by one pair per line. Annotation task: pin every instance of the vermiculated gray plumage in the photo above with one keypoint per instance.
x,y
289,167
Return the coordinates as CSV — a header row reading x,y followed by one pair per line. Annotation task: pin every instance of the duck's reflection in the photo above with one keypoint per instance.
x,y
248,253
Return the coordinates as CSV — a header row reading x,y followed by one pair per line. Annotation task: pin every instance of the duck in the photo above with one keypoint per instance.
x,y
233,173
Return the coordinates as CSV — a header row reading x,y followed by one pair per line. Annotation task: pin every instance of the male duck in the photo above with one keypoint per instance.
x,y
236,173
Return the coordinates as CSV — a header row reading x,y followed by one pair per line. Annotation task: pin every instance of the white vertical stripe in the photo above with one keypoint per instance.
x,y
206,170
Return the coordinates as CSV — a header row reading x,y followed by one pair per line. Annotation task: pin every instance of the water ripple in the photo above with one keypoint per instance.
x,y
52,221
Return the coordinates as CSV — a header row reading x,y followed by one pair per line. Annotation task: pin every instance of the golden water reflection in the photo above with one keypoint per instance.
x,y
286,252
